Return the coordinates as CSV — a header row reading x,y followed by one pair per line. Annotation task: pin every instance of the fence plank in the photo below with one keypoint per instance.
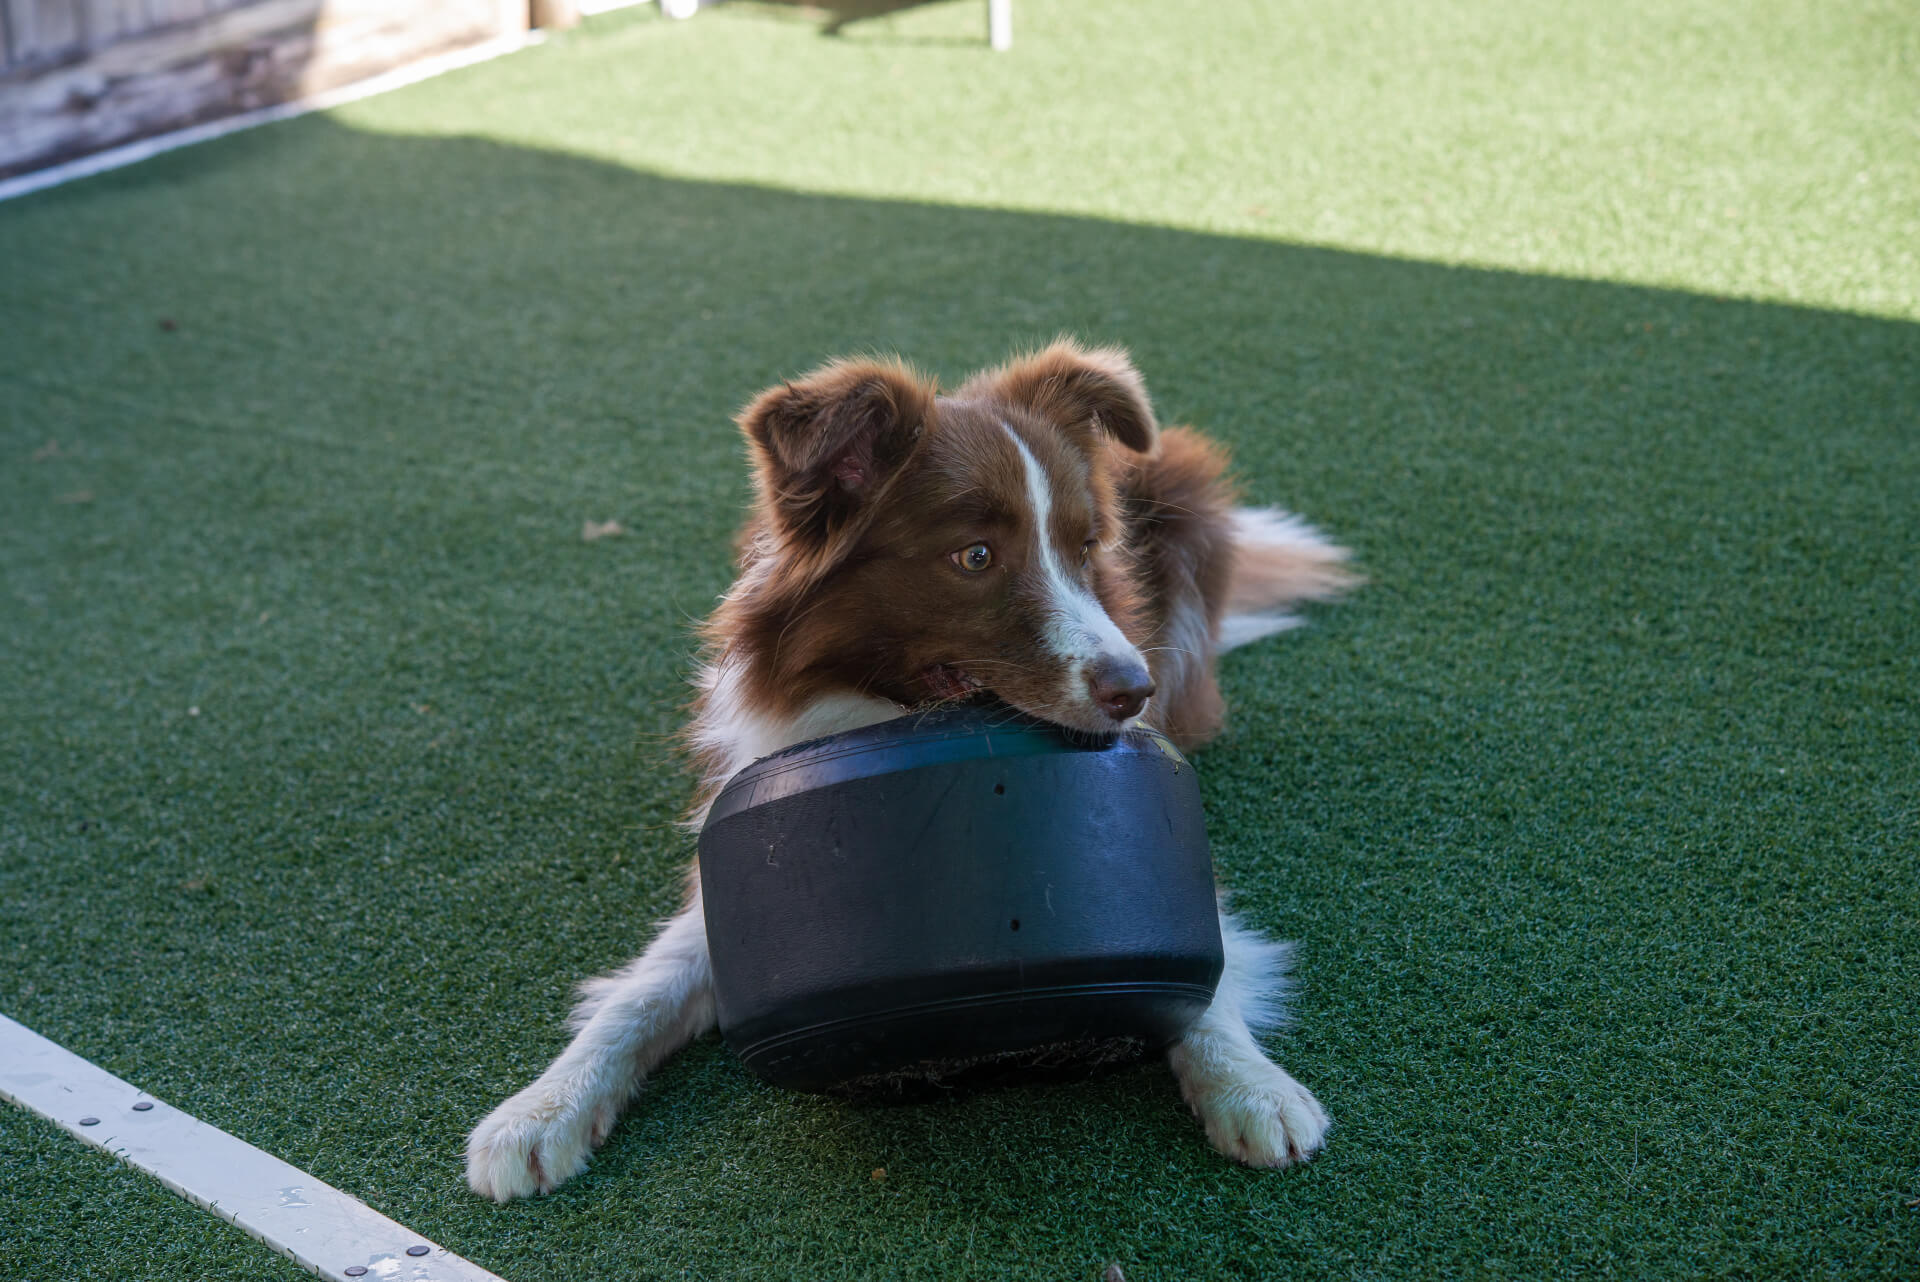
x,y
45,31
41,32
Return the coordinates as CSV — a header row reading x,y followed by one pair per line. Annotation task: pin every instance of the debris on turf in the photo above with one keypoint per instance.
x,y
593,531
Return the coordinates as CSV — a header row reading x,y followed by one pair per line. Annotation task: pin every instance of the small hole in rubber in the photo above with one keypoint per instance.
x,y
999,790
1016,923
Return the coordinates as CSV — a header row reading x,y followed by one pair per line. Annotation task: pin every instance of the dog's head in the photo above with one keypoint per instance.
x,y
919,547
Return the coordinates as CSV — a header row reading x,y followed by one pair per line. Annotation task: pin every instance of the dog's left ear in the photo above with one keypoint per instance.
x,y
1084,390
824,444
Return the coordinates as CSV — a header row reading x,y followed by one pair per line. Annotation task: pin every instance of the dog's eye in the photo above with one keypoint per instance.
x,y
1086,552
972,559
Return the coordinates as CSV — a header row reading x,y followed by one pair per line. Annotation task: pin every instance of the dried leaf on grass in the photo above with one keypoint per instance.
x,y
594,531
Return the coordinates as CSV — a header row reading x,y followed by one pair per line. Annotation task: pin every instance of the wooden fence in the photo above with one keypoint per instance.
x,y
79,75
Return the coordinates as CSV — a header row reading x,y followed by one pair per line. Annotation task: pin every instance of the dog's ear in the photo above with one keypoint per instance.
x,y
825,443
1084,390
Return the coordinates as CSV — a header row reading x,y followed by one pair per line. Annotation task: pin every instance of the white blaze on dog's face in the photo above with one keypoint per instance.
x,y
1100,667
925,547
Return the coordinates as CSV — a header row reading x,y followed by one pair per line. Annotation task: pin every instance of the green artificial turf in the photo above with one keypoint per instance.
x,y
331,755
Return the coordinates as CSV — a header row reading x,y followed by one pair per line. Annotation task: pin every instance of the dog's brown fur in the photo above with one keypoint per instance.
x,y
866,479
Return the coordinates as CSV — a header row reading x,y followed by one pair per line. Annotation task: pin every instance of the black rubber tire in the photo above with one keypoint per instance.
x,y
954,889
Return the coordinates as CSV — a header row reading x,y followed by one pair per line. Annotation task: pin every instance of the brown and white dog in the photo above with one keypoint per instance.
x,y
1035,534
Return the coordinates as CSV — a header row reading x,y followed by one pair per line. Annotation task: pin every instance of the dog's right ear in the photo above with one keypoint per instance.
x,y
825,444
1088,392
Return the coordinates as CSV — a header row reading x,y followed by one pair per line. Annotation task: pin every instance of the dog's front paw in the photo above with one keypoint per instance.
x,y
1264,1118
535,1142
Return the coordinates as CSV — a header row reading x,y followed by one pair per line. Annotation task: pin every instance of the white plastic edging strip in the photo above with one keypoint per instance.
x,y
413,73
310,1222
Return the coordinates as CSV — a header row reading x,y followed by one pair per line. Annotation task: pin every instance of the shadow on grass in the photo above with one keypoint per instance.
x,y
842,14
1634,669
861,18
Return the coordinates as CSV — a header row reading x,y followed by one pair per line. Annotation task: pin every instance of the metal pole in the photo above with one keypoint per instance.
x,y
1000,24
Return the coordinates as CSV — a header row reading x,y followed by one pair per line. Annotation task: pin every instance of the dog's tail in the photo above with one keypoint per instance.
x,y
1278,561
1213,575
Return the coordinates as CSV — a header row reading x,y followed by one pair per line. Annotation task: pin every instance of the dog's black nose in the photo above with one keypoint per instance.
x,y
1120,686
